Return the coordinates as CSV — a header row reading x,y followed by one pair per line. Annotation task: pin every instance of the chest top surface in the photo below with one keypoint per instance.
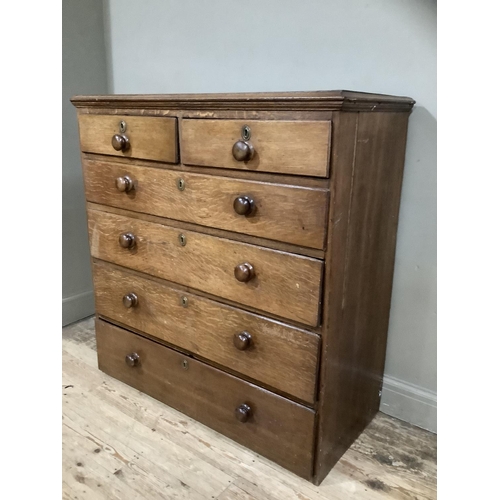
x,y
318,100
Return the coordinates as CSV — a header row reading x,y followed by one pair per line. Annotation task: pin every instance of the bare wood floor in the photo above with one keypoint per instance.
x,y
119,443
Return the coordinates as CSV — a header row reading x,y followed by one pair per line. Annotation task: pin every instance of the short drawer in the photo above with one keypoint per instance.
x,y
269,424
292,214
285,147
270,352
146,137
281,283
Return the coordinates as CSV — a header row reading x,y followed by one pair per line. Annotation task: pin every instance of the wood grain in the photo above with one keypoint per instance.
x,y
368,170
211,397
121,437
220,233
285,284
220,300
309,187
333,100
293,180
279,356
150,138
292,214
289,147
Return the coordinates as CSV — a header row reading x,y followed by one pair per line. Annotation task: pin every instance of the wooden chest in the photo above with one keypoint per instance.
x,y
243,250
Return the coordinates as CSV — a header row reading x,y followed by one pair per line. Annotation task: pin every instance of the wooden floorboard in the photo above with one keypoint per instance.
x,y
120,443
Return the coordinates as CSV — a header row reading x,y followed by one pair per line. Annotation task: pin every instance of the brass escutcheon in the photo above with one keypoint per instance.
x,y
246,132
182,239
181,184
184,301
123,127
185,364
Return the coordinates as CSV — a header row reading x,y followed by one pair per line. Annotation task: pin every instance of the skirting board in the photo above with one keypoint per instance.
x,y
77,307
410,403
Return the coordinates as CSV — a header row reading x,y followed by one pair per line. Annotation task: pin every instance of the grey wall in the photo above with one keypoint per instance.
x,y
83,72
387,46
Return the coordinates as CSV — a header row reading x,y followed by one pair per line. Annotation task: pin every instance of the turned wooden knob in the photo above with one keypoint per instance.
x,y
120,142
132,359
243,151
243,205
244,272
124,184
243,412
130,300
242,340
127,240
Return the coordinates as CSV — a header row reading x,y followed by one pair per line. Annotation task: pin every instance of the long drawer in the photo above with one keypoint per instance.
x,y
292,214
271,425
280,283
285,147
271,352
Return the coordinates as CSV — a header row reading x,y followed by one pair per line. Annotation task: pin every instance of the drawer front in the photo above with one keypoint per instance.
x,y
147,137
268,351
275,427
285,213
281,283
285,147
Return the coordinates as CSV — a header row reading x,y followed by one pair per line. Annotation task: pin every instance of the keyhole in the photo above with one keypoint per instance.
x,y
245,132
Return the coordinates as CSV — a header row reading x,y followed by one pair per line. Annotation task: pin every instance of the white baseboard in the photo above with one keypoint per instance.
x,y
410,403
77,307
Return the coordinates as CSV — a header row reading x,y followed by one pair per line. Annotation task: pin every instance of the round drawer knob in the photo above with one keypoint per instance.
x,y
132,359
127,240
244,272
242,340
130,300
243,151
243,205
124,184
243,412
120,142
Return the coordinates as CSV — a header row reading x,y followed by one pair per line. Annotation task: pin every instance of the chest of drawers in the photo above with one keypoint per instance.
x,y
242,251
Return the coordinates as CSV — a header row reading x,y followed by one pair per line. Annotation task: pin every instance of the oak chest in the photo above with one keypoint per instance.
x,y
243,250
